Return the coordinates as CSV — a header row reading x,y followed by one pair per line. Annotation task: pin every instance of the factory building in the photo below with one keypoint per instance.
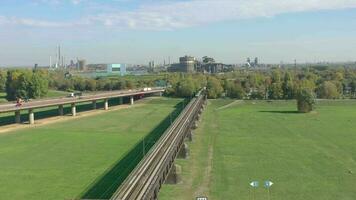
x,y
116,69
186,64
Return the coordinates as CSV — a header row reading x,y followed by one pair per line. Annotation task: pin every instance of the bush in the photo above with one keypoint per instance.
x,y
305,100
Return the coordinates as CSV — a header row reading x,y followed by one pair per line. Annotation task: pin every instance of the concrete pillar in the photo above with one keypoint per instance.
x,y
198,117
60,110
94,104
173,176
189,136
121,100
31,116
183,152
131,100
160,94
74,110
17,116
106,104
195,125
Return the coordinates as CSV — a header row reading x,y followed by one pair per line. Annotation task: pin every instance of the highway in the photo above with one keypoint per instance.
x,y
11,107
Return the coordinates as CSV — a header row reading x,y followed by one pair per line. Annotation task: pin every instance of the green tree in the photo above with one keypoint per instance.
x,y
234,90
328,90
2,80
275,91
79,83
38,85
214,88
305,100
353,88
185,88
287,86
23,89
90,84
17,84
276,76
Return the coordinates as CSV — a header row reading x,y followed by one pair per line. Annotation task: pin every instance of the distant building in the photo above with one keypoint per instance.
x,y
213,67
256,62
151,64
186,64
117,69
82,65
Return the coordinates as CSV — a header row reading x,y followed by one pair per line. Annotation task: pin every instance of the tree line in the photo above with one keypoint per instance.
x,y
272,84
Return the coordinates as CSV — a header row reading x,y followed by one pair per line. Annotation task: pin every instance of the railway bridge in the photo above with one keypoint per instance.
x,y
146,179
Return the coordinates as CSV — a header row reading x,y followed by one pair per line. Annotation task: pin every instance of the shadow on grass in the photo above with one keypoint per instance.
x,y
280,111
42,113
106,185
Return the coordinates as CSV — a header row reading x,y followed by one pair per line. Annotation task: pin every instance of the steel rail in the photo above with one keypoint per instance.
x,y
149,174
166,158
143,166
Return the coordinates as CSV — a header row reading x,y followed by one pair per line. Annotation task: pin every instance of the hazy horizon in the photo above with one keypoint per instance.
x,y
135,32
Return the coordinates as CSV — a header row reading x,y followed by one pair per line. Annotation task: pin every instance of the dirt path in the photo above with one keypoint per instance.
x,y
230,104
51,120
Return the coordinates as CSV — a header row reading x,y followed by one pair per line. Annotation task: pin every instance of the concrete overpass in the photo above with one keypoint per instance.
x,y
60,102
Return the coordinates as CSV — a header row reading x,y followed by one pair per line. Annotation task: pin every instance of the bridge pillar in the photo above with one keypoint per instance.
x,y
198,117
189,135
195,125
183,151
106,104
131,100
173,176
121,100
17,116
31,116
60,110
74,110
94,105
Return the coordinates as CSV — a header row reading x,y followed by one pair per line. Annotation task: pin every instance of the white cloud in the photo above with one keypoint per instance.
x,y
180,14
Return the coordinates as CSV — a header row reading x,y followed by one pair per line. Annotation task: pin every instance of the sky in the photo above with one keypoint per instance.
x,y
137,31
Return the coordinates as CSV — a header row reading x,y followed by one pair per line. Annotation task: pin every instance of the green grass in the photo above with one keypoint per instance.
x,y
56,93
67,159
2,97
306,156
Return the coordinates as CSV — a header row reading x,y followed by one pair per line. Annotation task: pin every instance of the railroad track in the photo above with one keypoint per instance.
x,y
146,179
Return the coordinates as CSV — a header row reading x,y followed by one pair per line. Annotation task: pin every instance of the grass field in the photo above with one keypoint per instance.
x,y
56,93
306,156
3,97
79,158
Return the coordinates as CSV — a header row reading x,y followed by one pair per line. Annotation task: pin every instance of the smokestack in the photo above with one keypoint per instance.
x,y
62,62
